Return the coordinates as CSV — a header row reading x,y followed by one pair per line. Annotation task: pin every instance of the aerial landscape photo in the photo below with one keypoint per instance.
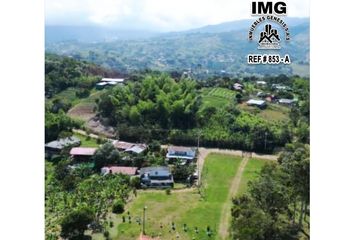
x,y
158,127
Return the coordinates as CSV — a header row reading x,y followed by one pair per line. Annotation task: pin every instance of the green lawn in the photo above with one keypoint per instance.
x,y
250,172
85,142
181,206
273,112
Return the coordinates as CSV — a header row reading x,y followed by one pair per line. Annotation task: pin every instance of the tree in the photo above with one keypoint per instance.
x,y
74,224
182,172
295,162
57,123
105,155
118,207
248,221
268,191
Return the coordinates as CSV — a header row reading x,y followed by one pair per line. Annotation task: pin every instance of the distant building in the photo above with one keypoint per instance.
x,y
156,177
122,146
82,154
280,87
288,102
238,86
55,147
135,148
116,80
130,171
258,103
101,85
109,82
261,83
186,154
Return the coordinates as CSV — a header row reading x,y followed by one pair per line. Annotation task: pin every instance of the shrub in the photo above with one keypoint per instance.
x,y
168,191
106,234
135,182
118,207
75,223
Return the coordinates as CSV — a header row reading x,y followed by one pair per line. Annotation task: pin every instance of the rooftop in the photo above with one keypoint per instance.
x,y
119,169
61,143
117,80
255,102
156,171
83,151
123,145
180,149
288,101
139,148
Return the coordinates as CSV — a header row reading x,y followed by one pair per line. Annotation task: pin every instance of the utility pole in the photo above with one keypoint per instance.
x,y
198,167
265,140
144,220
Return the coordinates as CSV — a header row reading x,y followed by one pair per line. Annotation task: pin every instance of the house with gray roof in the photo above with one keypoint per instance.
x,y
156,177
55,147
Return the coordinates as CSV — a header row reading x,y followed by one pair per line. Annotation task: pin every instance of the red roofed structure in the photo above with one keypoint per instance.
x,y
85,151
81,154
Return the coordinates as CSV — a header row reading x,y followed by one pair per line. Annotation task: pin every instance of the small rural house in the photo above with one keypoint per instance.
x,y
82,154
186,154
130,171
280,87
134,148
122,146
258,103
238,86
55,147
287,102
109,82
156,177
261,83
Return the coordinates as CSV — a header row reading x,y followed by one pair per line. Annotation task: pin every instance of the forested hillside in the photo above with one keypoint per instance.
x,y
206,52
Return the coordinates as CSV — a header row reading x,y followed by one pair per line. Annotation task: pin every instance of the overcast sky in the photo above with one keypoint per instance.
x,y
155,15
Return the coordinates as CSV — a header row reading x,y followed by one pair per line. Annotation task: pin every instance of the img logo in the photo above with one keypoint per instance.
x,y
264,8
272,24
269,38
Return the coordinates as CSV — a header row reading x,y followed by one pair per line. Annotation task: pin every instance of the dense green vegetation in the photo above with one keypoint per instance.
x,y
58,125
270,209
155,106
64,72
78,196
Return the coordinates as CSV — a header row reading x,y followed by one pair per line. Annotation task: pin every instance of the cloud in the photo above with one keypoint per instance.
x,y
157,15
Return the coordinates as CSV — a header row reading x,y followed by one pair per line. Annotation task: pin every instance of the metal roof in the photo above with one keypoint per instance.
x,y
61,143
119,169
156,171
83,151
255,102
136,149
113,80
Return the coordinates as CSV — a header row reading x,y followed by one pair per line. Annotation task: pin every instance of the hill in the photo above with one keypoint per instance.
x,y
205,51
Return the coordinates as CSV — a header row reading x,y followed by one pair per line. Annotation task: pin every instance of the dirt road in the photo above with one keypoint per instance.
x,y
225,213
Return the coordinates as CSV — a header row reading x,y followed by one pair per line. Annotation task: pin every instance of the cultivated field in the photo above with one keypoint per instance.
x,y
217,97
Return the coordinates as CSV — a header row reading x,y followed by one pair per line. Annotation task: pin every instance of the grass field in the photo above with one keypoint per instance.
x,y
273,112
181,207
217,97
85,142
251,171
